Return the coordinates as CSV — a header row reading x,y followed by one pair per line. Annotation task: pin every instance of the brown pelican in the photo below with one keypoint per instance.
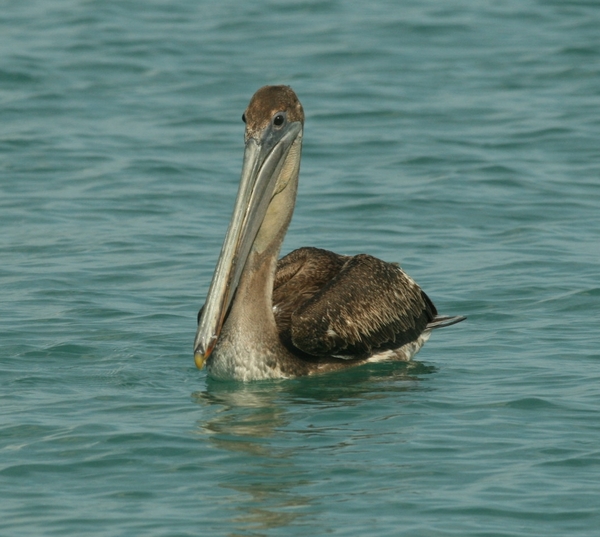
x,y
313,311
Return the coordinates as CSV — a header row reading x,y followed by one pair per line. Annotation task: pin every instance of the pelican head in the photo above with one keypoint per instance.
x,y
274,124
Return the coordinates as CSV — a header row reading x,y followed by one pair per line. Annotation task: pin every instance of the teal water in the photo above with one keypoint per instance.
x,y
460,139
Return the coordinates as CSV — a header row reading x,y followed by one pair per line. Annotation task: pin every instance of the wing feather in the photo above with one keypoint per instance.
x,y
326,304
299,276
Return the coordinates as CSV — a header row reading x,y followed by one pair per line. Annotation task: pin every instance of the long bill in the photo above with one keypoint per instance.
x,y
263,160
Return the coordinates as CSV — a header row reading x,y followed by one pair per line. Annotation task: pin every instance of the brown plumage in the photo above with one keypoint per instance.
x,y
266,102
327,304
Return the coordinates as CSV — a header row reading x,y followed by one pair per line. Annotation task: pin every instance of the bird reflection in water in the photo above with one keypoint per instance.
x,y
266,429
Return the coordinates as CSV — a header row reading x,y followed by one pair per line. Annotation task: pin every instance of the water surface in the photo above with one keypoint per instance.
x,y
460,140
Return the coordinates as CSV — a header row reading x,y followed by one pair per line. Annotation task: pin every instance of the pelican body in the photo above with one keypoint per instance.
x,y
313,311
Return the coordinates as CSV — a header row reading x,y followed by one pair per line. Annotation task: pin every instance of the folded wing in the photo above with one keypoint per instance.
x,y
326,304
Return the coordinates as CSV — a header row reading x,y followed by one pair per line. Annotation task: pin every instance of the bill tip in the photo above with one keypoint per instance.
x,y
199,359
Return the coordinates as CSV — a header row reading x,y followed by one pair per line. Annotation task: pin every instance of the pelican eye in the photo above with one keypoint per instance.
x,y
278,120
244,118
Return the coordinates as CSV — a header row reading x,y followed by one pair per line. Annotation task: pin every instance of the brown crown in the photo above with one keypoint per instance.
x,y
266,102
